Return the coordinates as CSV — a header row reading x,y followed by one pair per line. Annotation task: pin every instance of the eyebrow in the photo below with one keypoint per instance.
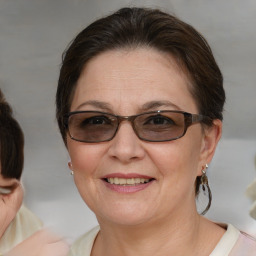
x,y
156,104
148,106
97,104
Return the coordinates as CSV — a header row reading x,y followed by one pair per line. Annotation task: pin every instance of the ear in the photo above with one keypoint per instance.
x,y
70,166
211,137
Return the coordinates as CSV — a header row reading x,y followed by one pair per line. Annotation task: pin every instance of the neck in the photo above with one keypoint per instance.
x,y
166,237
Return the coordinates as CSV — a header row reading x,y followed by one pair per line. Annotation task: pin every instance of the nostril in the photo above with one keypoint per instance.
x,y
126,146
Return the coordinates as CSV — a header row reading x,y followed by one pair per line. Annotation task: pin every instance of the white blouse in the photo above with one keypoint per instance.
x,y
232,243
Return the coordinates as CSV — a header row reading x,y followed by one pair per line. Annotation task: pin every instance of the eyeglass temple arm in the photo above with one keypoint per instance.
x,y
195,118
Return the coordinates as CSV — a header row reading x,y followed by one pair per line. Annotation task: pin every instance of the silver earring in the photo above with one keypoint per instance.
x,y
205,185
70,167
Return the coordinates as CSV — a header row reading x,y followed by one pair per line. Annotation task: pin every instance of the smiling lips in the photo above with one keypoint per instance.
x,y
131,181
127,183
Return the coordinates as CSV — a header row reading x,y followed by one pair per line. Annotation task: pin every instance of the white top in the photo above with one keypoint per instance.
x,y
251,193
23,225
232,243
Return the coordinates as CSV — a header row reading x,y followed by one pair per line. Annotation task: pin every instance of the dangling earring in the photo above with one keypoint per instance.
x,y
70,167
204,183
204,178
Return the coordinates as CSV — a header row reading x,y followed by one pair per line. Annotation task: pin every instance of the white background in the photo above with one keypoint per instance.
x,y
33,35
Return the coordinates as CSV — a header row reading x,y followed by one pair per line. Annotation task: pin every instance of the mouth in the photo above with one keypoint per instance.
x,y
128,182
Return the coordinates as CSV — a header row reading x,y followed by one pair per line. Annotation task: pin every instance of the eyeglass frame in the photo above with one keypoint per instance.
x,y
189,119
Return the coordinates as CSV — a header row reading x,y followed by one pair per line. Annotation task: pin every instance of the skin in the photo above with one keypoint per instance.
x,y
9,203
161,218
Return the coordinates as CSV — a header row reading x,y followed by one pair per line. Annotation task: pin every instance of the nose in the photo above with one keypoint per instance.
x,y
126,146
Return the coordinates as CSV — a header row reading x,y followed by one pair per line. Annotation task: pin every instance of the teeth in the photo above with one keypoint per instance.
x,y
122,181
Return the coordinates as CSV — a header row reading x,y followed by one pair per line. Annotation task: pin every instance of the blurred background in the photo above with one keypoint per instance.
x,y
33,35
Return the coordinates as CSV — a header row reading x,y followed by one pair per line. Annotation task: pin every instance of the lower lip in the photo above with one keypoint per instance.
x,y
127,188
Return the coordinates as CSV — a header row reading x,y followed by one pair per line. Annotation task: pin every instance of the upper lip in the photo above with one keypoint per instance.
x,y
126,176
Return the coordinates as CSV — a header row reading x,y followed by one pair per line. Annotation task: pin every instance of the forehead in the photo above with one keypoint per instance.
x,y
133,77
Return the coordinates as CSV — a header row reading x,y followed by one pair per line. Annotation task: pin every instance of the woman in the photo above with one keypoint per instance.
x,y
139,107
20,229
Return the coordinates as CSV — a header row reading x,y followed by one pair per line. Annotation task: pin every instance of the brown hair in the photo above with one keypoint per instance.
x,y
11,142
140,27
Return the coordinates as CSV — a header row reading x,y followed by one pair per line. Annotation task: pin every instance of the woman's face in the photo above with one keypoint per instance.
x,y
129,82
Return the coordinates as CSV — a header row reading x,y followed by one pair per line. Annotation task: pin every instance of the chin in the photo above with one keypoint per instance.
x,y
124,220
125,216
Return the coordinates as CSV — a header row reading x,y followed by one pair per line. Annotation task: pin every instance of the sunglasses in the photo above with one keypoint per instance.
x,y
154,126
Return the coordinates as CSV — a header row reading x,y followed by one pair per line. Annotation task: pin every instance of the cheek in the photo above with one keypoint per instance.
x,y
84,157
179,158
85,160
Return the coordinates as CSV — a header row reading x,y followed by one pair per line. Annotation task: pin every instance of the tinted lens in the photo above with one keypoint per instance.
x,y
92,126
162,126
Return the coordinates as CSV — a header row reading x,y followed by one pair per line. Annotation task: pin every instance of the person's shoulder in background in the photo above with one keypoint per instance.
x,y
23,225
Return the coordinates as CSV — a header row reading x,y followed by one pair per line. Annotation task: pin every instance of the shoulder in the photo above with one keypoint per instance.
x,y
235,243
83,245
24,225
245,245
28,218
